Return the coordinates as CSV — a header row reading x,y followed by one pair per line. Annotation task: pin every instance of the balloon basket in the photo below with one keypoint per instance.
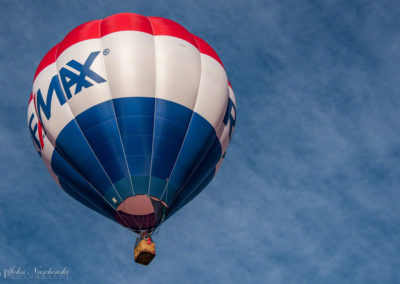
x,y
145,252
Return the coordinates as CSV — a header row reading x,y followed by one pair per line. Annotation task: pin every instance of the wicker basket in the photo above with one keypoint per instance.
x,y
144,252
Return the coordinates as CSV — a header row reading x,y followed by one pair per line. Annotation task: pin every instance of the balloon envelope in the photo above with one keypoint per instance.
x,y
132,116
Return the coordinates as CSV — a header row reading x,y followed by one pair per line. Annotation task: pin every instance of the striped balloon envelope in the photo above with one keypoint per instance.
x,y
132,116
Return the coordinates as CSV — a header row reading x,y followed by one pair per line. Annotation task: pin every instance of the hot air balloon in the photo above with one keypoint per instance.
x,y
132,116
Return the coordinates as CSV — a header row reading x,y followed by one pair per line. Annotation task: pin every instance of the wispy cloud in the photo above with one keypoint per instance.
x,y
309,191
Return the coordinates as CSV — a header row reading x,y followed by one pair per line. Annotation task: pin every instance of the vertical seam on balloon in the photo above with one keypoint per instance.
x,y
187,129
220,127
93,187
74,118
188,179
88,200
68,162
72,166
88,182
192,191
155,104
113,107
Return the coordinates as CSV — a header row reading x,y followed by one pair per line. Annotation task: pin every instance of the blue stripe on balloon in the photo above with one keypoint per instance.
x,y
78,196
171,123
135,118
201,173
192,189
198,141
76,186
74,148
100,128
198,157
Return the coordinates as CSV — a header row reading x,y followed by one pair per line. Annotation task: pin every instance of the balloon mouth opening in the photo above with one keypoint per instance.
x,y
141,213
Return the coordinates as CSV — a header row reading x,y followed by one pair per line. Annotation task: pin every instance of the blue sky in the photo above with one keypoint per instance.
x,y
310,188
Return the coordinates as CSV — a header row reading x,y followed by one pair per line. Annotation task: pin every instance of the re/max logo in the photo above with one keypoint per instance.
x,y
79,79
68,79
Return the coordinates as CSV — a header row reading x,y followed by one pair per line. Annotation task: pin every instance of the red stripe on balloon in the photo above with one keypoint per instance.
x,y
162,26
125,22
83,32
48,59
34,104
89,30
40,132
205,48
